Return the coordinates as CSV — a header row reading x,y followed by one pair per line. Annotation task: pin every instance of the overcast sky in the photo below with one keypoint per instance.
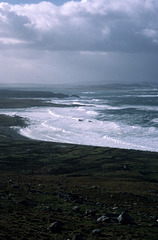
x,y
59,41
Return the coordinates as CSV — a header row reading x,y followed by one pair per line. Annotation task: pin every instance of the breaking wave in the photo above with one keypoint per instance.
x,y
98,118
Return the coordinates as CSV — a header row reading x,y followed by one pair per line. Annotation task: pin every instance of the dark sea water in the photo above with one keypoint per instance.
x,y
121,116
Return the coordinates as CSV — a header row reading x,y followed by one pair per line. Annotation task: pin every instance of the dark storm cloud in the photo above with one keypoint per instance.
x,y
85,40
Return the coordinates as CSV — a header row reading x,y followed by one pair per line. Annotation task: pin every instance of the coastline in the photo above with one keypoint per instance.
x,y
111,139
46,182
10,131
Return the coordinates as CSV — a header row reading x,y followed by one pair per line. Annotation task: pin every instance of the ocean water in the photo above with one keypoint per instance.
x,y
125,117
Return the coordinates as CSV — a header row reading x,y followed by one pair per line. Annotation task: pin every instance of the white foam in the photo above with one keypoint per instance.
x,y
155,120
96,100
53,114
98,133
77,103
94,113
139,107
108,107
146,108
147,96
88,92
80,125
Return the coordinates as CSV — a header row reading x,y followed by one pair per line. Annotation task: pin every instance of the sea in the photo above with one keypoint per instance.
x,y
118,116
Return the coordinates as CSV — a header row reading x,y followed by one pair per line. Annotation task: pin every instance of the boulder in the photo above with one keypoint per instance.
x,y
75,209
103,219
124,218
96,232
55,227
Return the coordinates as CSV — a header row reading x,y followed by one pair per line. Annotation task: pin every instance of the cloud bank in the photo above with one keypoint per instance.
x,y
92,32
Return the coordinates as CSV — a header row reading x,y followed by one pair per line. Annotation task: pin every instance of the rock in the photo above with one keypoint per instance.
x,y
55,227
124,218
96,231
80,120
114,208
77,237
89,212
103,219
75,209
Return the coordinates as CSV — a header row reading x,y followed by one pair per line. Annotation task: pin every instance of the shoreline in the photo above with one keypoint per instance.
x,y
13,103
10,134
13,132
85,145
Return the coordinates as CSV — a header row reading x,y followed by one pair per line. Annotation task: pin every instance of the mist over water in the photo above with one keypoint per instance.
x,y
123,118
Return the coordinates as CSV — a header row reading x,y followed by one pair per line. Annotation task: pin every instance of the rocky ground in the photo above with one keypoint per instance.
x,y
64,191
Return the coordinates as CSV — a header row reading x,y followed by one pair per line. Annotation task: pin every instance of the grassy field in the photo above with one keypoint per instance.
x,y
73,186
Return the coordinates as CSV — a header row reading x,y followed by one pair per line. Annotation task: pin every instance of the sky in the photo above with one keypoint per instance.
x,y
87,41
